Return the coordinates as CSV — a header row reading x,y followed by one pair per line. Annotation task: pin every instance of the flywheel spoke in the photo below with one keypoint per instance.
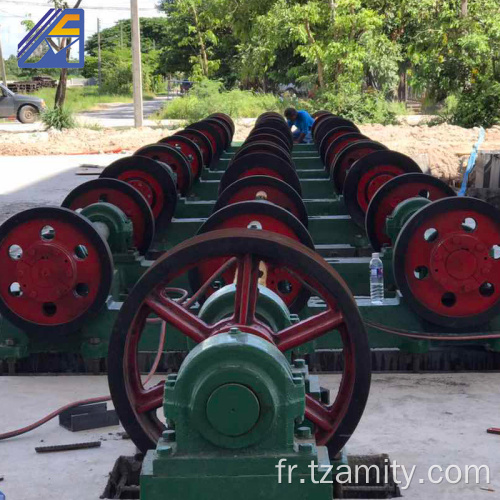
x,y
150,399
176,315
246,290
309,329
319,415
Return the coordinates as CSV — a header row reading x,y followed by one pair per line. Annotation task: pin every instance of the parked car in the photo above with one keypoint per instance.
x,y
293,90
25,108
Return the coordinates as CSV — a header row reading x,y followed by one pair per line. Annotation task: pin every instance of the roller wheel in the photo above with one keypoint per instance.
x,y
277,124
56,271
202,141
189,149
213,133
331,123
338,144
320,112
263,147
153,179
224,130
260,164
227,120
139,406
331,136
122,195
268,217
175,159
347,157
447,262
268,138
318,120
269,114
285,137
265,188
391,194
370,173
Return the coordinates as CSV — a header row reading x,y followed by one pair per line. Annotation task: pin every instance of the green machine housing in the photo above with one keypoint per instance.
x,y
235,412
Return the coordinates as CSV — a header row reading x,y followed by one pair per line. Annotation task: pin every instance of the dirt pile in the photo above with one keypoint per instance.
x,y
445,147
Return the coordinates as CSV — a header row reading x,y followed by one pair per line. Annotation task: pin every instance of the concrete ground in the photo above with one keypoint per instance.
x,y
419,420
42,180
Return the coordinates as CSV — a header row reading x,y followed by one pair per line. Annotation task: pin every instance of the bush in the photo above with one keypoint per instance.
x,y
358,106
58,118
478,106
207,97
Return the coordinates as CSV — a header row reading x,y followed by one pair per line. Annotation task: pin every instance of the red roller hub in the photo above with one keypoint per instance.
x,y
276,124
316,114
447,262
368,175
318,119
268,138
223,129
391,194
227,120
56,270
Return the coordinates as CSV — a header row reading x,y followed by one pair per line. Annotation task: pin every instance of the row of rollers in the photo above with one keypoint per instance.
x,y
445,255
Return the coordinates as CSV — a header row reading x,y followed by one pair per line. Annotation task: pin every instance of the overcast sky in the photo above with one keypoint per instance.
x,y
12,12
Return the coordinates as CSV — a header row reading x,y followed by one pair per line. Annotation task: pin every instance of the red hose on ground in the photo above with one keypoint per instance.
x,y
101,399
54,414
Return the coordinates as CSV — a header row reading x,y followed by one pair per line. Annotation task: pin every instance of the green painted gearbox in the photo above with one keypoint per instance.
x,y
232,411
115,227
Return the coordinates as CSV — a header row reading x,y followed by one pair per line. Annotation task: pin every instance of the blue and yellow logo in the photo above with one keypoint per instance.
x,y
51,38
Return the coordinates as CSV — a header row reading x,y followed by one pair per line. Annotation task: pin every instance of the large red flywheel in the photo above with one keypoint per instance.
x,y
251,251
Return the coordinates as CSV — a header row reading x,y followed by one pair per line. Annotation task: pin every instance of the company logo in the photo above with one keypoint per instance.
x,y
48,43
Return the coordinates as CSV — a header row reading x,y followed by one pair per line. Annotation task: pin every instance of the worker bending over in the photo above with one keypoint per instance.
x,y
303,121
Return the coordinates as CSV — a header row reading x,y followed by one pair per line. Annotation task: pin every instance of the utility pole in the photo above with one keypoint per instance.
x,y
121,36
2,64
136,63
99,53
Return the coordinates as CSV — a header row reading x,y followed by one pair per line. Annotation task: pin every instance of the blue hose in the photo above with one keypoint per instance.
x,y
472,161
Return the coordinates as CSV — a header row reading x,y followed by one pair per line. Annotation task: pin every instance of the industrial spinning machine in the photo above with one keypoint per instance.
x,y
236,269
66,271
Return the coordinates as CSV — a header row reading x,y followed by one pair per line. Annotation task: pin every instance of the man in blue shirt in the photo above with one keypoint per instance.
x,y
303,121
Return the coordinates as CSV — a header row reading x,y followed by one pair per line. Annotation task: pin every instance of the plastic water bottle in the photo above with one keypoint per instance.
x,y
376,279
